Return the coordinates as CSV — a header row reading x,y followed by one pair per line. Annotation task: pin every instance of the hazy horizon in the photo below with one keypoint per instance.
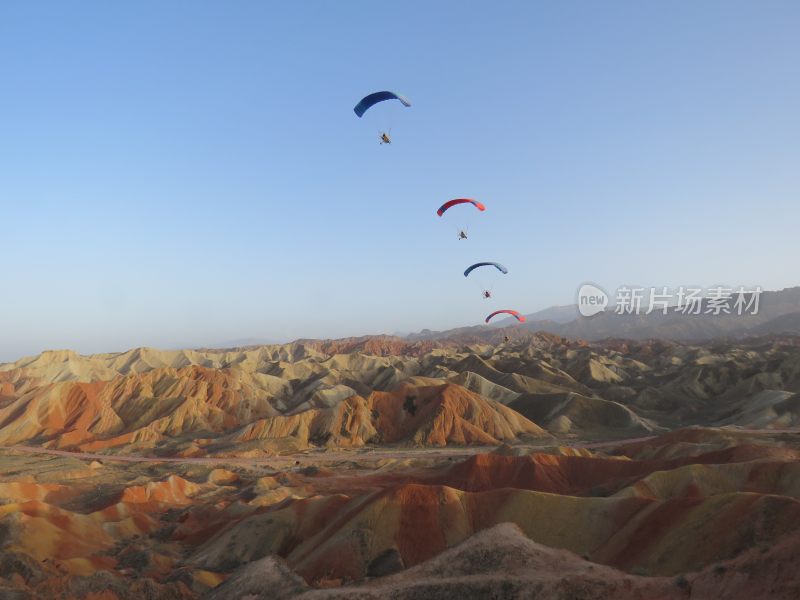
x,y
183,174
7,357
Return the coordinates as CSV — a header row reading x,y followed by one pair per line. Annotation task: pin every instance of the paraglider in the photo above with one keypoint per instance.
x,y
513,313
368,102
498,266
384,134
486,291
462,230
450,203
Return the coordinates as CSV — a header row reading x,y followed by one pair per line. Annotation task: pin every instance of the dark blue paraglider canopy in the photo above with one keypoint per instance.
x,y
498,266
373,99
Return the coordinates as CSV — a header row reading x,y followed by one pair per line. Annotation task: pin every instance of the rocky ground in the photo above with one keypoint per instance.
x,y
377,467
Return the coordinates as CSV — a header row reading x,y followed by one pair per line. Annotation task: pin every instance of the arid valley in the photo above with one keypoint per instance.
x,y
376,467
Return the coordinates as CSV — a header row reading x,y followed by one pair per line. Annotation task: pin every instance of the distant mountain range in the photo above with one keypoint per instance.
x,y
779,313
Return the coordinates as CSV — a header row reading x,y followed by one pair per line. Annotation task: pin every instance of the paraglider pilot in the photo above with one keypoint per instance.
x,y
462,235
385,139
487,294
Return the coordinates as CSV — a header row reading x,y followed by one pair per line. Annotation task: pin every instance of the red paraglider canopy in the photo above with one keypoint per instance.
x,y
450,203
519,317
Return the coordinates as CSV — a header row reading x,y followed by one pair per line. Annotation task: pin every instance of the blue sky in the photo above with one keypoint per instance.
x,y
187,173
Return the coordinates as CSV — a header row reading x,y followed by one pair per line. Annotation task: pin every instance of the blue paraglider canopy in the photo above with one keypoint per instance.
x,y
499,267
373,99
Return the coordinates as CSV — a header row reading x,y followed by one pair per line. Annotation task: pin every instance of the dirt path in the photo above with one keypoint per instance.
x,y
358,455
355,455
293,459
